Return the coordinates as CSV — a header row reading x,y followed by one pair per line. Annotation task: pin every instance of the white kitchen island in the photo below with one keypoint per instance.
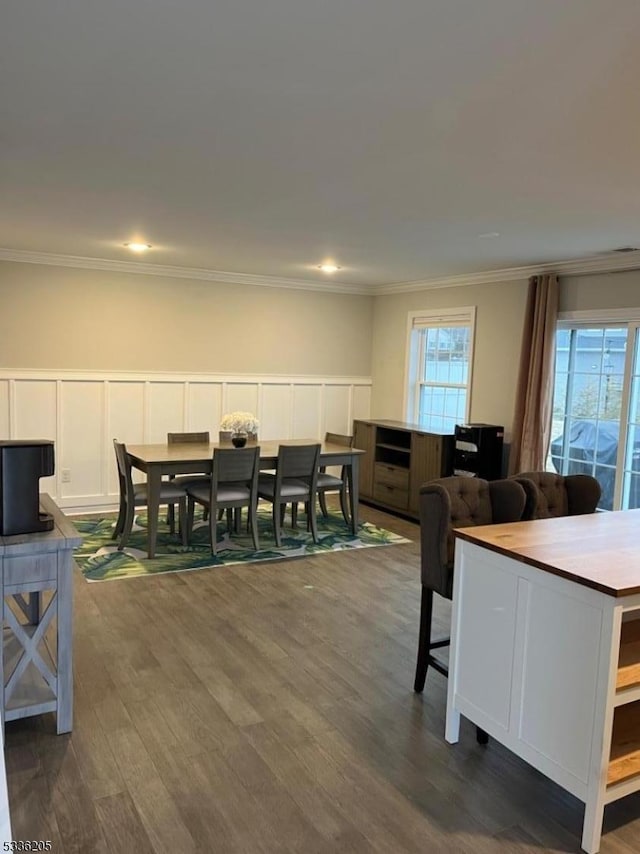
x,y
545,650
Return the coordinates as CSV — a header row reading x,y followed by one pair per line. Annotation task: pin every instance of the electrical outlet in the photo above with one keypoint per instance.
x,y
65,475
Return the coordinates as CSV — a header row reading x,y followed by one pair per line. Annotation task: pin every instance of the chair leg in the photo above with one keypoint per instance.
x,y
277,514
481,736
322,501
190,514
122,514
253,521
344,504
171,518
127,525
426,612
213,529
311,516
184,530
294,514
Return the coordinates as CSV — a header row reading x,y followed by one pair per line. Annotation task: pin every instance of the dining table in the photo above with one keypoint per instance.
x,y
190,458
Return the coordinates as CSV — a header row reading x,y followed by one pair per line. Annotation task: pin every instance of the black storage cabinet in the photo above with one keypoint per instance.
x,y
478,450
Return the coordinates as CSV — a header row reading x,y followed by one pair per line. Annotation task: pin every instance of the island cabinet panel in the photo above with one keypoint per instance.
x,y
399,458
545,650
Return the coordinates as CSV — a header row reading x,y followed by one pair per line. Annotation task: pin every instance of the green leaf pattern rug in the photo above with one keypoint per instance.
x,y
99,559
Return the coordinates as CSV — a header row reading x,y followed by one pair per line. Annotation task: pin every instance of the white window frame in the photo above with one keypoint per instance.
x,y
426,319
629,317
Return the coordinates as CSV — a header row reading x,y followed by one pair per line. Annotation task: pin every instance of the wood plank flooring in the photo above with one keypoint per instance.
x,y
269,708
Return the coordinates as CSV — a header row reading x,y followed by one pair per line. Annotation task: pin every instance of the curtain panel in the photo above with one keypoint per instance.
x,y
534,395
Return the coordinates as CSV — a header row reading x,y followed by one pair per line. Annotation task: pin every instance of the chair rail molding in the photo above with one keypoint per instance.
x,y
83,411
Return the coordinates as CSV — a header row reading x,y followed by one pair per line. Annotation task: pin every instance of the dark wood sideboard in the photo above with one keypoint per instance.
x,y
398,459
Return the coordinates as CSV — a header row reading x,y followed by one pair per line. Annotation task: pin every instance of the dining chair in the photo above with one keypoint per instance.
x,y
233,485
295,480
330,483
333,483
201,438
134,495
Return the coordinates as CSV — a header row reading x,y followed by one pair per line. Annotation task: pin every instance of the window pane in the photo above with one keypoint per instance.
x,y
587,404
444,376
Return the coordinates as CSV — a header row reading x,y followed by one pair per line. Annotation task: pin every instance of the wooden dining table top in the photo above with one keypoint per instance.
x,y
191,451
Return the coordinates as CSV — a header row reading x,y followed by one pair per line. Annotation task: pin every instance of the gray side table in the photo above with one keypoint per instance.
x,y
37,624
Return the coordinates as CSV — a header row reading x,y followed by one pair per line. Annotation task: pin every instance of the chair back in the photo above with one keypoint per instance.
x,y
551,495
125,480
235,465
460,502
188,438
298,461
339,439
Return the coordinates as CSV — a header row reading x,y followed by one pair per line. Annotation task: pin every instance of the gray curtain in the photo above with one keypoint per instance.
x,y
534,396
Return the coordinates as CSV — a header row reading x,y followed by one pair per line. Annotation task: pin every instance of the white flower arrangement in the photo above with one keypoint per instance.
x,y
240,422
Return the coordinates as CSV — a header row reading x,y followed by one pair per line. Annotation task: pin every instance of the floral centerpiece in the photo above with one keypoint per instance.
x,y
240,422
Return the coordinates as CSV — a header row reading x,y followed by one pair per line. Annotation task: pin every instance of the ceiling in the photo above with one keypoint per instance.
x,y
265,136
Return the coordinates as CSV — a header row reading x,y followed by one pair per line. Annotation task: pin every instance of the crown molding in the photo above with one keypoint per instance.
x,y
142,269
609,263
583,266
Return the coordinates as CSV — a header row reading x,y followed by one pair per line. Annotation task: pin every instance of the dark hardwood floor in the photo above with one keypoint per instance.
x,y
269,708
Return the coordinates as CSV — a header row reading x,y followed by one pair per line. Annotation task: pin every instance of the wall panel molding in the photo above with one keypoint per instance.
x,y
137,407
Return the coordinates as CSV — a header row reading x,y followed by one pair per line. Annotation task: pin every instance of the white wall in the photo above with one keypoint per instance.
x,y
84,411
87,356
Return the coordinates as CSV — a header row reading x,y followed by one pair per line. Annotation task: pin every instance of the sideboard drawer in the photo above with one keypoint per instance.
x,y
392,495
392,475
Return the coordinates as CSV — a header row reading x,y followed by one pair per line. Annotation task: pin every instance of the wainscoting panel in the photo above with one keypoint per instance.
x,y
204,407
306,411
4,408
81,440
165,406
33,414
240,397
361,403
337,410
125,422
275,411
83,411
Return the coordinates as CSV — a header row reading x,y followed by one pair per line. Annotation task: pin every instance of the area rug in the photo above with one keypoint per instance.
x,y
99,559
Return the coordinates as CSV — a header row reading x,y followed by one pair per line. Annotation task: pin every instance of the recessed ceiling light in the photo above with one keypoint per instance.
x,y
329,268
490,234
138,247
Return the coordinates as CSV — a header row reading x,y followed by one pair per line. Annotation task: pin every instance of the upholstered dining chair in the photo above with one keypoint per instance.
x,y
550,494
201,438
134,495
295,480
233,485
445,504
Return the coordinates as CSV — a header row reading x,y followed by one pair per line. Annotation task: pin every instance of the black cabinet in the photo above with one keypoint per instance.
x,y
478,450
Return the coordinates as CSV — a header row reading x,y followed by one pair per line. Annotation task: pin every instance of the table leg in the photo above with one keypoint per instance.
x,y
154,477
64,594
353,473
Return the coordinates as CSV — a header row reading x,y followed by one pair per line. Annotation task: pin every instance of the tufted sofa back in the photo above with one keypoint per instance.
x,y
460,502
550,494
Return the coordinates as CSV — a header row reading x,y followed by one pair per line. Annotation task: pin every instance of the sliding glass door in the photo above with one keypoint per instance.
x,y
596,412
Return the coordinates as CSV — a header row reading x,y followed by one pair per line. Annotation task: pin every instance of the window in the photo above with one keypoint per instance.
x,y
440,353
596,408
